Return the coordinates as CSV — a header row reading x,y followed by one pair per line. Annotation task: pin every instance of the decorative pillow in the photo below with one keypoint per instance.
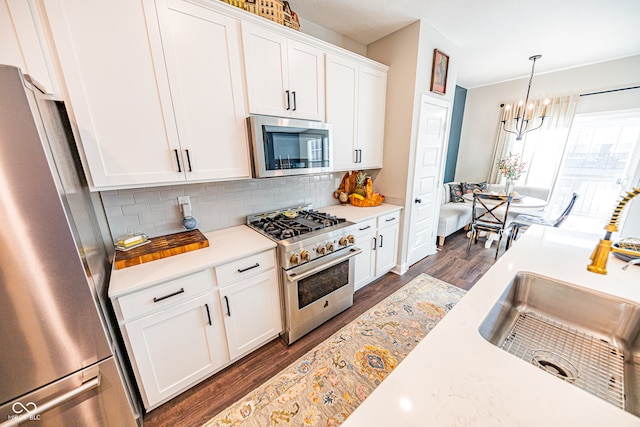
x,y
455,192
470,187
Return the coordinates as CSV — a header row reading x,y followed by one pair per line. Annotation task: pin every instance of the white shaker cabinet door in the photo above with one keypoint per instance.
x,y
203,62
174,348
284,77
267,73
306,81
342,104
372,92
365,262
113,93
251,311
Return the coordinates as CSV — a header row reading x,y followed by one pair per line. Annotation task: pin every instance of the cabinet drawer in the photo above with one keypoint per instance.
x,y
165,294
388,219
364,227
245,267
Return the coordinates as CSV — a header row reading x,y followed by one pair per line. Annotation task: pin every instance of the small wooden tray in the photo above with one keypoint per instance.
x,y
162,247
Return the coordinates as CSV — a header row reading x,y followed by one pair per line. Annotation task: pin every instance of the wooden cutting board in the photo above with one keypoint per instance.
x,y
161,247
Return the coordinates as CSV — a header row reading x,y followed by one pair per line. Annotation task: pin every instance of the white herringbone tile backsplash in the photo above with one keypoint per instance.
x,y
155,210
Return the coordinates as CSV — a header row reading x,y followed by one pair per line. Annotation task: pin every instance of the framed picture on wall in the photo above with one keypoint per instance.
x,y
439,72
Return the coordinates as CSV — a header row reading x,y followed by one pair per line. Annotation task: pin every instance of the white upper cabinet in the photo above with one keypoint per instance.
x,y
25,44
372,93
202,53
356,95
285,77
115,97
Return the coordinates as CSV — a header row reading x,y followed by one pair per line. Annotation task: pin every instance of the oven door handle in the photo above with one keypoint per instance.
x,y
294,277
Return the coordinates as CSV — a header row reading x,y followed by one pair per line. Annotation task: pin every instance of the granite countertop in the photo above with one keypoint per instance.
x,y
225,245
454,377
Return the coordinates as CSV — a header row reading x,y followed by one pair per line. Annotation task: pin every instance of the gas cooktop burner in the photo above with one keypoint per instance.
x,y
280,226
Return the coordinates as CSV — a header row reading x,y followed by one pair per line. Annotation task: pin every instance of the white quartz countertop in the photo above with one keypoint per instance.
x,y
225,245
358,214
456,378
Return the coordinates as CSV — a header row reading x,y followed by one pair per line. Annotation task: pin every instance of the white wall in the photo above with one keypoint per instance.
x,y
337,39
409,54
482,109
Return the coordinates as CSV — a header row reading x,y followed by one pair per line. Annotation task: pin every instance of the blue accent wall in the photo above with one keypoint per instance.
x,y
454,136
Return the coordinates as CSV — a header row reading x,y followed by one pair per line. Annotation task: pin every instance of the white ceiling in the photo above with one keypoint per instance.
x,y
495,38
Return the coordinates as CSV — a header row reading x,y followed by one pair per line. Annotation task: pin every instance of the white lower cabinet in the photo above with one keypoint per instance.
x,y
378,239
365,262
251,311
179,332
387,243
250,298
176,347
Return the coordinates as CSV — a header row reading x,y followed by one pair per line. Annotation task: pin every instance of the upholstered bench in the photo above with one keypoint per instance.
x,y
455,212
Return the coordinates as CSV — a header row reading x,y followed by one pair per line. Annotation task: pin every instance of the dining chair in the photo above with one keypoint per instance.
x,y
489,214
522,222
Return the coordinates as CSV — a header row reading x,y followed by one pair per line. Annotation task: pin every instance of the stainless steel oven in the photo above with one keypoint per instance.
x,y
316,254
317,291
283,146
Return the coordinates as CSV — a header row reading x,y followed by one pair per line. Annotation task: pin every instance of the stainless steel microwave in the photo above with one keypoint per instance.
x,y
282,146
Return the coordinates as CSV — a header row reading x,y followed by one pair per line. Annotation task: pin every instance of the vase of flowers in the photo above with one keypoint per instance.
x,y
511,167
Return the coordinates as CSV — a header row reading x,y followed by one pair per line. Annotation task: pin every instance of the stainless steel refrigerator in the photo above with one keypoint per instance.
x,y
59,364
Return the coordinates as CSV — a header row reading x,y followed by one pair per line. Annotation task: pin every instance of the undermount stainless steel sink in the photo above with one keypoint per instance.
x,y
587,338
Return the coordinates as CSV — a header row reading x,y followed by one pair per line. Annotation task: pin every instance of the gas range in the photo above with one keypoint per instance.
x,y
303,234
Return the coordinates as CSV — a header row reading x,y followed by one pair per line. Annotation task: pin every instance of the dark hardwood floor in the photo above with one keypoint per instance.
x,y
197,405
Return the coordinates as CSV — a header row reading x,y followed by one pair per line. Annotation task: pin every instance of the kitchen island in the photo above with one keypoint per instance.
x,y
454,377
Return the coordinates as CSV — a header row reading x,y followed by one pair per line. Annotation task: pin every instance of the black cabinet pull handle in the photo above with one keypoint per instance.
x,y
189,161
178,160
181,291
374,244
226,300
295,104
364,228
288,102
356,153
381,236
390,219
418,200
242,270
208,314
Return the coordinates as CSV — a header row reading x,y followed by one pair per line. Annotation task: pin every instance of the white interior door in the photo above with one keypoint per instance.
x,y
433,131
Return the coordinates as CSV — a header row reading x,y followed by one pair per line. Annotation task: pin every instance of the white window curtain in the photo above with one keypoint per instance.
x,y
541,149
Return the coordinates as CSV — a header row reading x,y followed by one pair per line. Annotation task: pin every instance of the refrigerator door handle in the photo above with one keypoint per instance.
x,y
53,403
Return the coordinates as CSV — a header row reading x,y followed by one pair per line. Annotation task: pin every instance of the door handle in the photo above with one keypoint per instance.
x,y
189,161
226,300
55,402
177,160
208,313
242,270
295,104
418,200
288,101
375,243
381,236
158,299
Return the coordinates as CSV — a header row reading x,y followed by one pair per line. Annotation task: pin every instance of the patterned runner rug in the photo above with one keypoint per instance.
x,y
329,382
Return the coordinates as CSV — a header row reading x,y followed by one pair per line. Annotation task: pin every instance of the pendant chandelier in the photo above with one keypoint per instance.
x,y
524,111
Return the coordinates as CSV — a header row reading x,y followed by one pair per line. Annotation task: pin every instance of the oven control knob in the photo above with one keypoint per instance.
x,y
320,250
343,241
295,258
330,247
351,239
304,255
